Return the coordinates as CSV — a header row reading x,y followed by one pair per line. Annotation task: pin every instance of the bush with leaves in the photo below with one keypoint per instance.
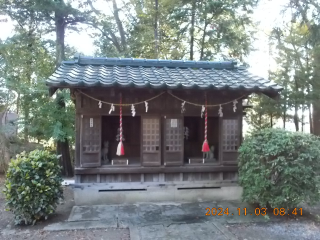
x,y
278,168
33,186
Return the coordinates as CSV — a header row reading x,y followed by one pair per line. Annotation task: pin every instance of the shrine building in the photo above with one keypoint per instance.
x,y
157,130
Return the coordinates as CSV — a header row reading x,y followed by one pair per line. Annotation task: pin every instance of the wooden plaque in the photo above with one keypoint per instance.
x,y
196,160
120,162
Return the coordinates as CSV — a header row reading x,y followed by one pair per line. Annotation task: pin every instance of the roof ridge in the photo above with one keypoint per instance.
x,y
136,62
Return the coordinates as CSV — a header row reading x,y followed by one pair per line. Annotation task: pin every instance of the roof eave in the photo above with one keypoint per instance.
x,y
52,91
273,94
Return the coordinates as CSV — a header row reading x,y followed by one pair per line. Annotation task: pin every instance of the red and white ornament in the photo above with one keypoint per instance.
x,y
205,145
120,148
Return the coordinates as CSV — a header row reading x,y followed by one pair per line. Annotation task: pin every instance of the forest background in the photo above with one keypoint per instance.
x,y
275,39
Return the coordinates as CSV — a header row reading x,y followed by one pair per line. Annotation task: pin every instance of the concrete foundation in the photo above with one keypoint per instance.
x,y
97,195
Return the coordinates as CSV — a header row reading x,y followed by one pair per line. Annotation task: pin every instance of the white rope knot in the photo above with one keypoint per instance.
x,y
133,110
183,109
235,105
220,113
111,109
202,110
146,105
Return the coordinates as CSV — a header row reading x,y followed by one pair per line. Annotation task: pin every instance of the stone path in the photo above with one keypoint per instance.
x,y
199,231
162,221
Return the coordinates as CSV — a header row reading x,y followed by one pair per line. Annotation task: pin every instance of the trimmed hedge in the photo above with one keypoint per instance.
x,y
33,186
278,168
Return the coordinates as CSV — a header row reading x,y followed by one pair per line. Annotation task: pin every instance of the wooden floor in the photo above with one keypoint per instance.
x,y
107,169
137,162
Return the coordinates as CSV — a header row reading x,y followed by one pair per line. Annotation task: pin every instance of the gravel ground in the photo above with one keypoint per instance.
x,y
291,230
10,232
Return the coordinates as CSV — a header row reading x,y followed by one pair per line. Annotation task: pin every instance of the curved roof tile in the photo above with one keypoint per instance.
x,y
151,73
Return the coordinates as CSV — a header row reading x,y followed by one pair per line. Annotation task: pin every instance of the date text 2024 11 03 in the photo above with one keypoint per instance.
x,y
257,212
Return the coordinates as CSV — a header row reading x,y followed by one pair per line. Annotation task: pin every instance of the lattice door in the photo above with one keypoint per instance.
x,y
90,141
151,141
174,143
230,135
230,139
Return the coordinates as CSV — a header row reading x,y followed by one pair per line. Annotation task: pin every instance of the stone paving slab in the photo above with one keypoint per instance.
x,y
146,213
159,221
196,231
81,225
93,213
165,220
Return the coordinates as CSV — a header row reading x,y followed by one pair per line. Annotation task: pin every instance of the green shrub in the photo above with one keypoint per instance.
x,y
33,186
278,168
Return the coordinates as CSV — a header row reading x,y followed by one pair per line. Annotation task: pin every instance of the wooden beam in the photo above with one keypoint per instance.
x,y
162,185
52,90
247,106
162,169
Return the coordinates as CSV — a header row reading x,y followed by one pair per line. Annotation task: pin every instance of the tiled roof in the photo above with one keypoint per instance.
x,y
107,72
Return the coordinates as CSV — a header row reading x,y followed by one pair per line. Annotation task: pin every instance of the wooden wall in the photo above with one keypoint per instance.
x,y
159,177
165,105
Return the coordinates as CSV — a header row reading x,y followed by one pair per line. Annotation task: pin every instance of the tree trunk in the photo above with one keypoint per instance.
x,y
26,94
60,35
64,151
316,117
203,39
296,106
62,146
284,117
295,117
18,103
156,25
310,118
302,119
308,89
315,94
193,14
120,26
26,118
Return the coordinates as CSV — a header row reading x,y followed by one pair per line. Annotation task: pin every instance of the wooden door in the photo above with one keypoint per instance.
x,y
173,141
231,133
90,141
151,141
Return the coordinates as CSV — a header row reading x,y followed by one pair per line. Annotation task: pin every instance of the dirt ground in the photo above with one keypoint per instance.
x,y
9,231
285,230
